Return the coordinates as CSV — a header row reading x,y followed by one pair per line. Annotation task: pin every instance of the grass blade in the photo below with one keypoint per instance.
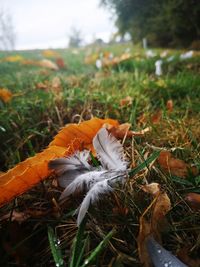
x,y
55,250
77,252
98,249
146,163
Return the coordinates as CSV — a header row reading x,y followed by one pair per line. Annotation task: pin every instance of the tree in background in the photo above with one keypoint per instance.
x,y
163,22
7,33
75,38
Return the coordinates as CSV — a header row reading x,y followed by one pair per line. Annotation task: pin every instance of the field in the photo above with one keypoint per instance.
x,y
126,89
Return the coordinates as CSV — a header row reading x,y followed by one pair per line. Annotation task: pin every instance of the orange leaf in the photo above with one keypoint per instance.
x,y
175,166
35,169
5,95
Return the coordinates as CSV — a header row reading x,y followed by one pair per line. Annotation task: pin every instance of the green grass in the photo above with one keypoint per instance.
x,y
30,120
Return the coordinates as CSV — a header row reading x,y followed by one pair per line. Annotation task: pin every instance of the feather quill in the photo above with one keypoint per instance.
x,y
92,196
109,151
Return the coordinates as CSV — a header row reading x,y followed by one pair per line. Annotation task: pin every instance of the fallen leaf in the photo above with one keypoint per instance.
x,y
175,166
156,118
193,199
50,53
127,101
5,95
56,84
119,131
144,232
35,169
46,63
43,86
170,105
60,63
153,188
159,207
16,58
122,130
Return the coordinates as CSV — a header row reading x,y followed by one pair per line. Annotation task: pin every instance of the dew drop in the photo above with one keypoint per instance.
x,y
86,262
166,264
159,251
58,242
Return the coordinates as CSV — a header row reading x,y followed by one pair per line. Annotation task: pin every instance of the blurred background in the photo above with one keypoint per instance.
x,y
58,24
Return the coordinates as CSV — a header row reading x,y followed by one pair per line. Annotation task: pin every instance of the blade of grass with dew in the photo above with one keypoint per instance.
x,y
99,248
78,245
55,249
145,164
82,251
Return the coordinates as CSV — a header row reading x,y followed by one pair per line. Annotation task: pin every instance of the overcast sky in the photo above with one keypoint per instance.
x,y
47,23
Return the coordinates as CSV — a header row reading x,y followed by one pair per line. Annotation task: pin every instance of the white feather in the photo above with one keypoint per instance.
x,y
88,179
78,161
69,168
109,151
92,196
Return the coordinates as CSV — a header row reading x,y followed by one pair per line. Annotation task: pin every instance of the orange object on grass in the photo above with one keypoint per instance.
x,y
28,173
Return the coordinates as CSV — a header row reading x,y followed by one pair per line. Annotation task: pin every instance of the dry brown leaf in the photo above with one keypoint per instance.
x,y
156,118
60,63
159,207
193,199
153,188
56,84
144,232
43,86
119,131
175,166
122,130
142,119
35,169
46,63
127,101
170,105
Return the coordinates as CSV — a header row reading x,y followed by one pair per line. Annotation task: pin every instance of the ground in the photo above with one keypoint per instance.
x,y
125,88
